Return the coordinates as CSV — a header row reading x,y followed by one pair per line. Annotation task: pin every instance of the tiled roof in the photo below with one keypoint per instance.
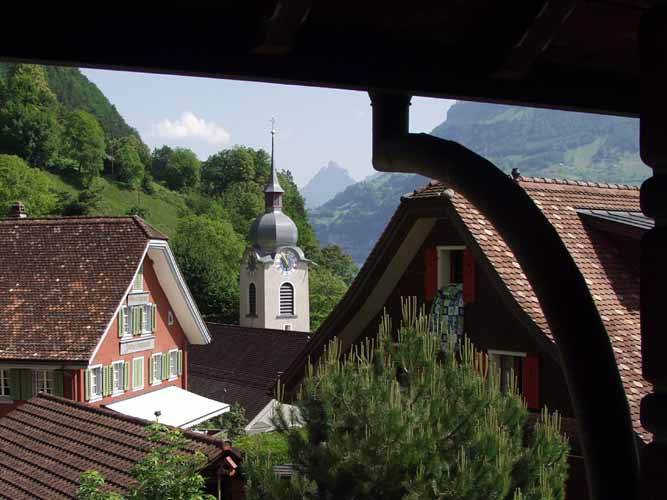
x,y
61,280
242,364
48,442
612,281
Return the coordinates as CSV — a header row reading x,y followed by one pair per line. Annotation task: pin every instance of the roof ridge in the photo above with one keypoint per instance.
x,y
114,414
572,182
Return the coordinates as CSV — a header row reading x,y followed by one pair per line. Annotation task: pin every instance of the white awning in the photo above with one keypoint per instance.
x,y
177,407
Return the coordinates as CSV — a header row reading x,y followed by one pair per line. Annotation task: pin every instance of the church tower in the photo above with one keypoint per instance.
x,y
274,271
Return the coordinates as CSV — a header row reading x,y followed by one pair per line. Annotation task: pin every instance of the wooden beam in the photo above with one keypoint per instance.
x,y
287,18
537,38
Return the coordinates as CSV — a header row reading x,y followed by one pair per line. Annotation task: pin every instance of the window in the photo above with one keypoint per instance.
x,y
450,265
138,373
173,364
252,300
118,377
5,387
510,366
95,375
123,321
43,380
157,368
138,284
286,299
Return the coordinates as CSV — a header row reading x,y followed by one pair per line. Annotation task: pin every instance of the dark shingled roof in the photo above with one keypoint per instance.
x,y
61,280
48,442
242,365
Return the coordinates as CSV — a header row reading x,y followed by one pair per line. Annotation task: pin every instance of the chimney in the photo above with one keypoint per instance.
x,y
516,174
17,210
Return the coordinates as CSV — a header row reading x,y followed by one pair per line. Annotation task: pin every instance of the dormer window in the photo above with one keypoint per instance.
x,y
138,285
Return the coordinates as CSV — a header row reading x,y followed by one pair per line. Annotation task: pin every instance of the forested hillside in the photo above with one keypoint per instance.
x,y
536,141
65,150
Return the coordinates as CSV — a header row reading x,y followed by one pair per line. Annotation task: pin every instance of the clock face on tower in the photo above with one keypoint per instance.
x,y
251,264
286,261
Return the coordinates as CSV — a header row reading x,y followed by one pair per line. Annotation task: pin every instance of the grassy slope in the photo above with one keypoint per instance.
x,y
164,207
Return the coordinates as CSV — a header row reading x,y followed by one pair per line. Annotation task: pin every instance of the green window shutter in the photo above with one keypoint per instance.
x,y
14,383
126,375
121,321
151,361
154,317
86,383
165,366
26,384
180,363
59,383
135,318
142,318
107,380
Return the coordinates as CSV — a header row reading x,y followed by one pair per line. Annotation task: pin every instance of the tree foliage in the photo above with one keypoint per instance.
x,y
398,418
167,472
29,125
326,290
231,166
209,255
84,143
339,262
126,160
182,170
19,182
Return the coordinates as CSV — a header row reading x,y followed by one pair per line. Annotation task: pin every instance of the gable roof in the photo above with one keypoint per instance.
x,y
49,441
612,280
62,281
242,364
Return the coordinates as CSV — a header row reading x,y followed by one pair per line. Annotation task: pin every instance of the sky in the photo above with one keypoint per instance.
x,y
314,125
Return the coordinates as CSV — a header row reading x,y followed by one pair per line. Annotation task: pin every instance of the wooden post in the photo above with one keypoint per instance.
x,y
653,146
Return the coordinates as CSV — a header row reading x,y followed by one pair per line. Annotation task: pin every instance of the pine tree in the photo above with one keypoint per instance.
x,y
398,418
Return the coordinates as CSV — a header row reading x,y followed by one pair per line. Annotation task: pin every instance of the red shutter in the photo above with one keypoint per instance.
x,y
531,382
430,273
468,277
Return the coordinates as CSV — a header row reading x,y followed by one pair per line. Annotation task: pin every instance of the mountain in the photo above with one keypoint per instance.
x,y
327,183
547,143
75,91
538,142
355,217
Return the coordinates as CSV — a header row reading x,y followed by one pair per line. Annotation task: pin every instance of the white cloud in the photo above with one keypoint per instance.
x,y
191,126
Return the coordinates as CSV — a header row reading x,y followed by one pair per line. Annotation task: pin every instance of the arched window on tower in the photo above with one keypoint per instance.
x,y
252,300
286,299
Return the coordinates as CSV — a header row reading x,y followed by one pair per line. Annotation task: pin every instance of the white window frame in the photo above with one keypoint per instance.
x,y
45,386
173,353
157,380
100,383
138,282
445,250
494,354
280,312
120,378
5,385
134,370
127,324
146,324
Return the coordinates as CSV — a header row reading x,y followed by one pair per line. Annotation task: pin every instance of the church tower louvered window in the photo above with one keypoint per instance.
x,y
286,299
252,300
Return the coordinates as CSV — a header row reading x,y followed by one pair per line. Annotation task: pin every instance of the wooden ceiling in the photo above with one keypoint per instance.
x,y
560,53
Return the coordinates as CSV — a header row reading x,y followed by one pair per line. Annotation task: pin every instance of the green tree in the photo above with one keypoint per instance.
x,y
294,206
209,255
29,125
339,262
399,418
228,167
232,422
241,204
326,290
168,472
84,143
19,182
159,159
126,160
182,170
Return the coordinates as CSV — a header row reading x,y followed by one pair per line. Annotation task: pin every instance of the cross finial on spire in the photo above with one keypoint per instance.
x,y
273,125
273,186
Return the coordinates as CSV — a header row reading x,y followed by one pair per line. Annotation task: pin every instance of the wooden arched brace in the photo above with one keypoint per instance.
x,y
598,398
